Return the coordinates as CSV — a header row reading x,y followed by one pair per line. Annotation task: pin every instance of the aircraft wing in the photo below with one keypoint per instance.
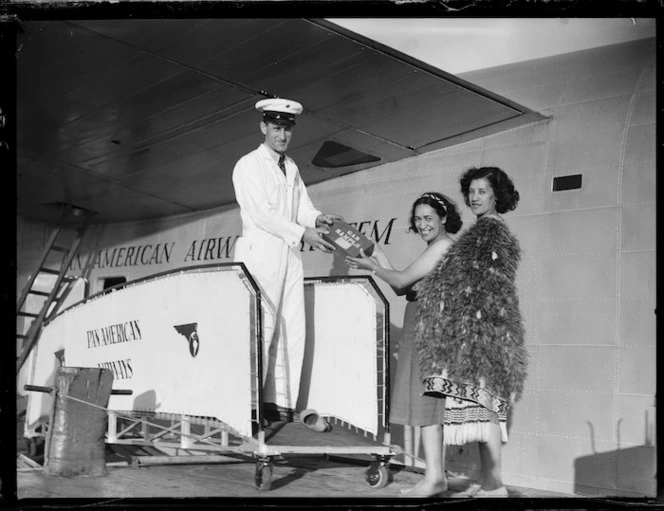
x,y
138,119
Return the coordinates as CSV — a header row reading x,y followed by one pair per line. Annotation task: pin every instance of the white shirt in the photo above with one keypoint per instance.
x,y
270,201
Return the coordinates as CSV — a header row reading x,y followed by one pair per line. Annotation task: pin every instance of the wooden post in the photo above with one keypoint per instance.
x,y
75,441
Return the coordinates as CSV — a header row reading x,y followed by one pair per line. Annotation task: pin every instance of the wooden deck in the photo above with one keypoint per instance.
x,y
302,477
136,472
306,476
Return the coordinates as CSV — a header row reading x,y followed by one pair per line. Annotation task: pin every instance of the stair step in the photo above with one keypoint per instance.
x,y
49,270
40,293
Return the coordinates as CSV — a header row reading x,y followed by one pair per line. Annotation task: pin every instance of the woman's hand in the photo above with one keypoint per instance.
x,y
363,263
377,251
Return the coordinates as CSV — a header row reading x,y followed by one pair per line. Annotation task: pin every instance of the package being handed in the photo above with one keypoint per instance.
x,y
348,240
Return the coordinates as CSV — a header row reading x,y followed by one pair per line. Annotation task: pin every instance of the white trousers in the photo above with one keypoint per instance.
x,y
279,276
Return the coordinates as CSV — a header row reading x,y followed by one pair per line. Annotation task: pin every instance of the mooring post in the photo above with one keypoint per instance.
x,y
75,441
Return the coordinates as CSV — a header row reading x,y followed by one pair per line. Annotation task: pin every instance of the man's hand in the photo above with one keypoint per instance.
x,y
327,219
313,237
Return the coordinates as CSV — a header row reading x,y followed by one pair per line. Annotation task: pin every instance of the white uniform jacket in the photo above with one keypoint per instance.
x,y
275,209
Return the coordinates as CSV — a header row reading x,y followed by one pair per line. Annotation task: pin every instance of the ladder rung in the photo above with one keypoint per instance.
x,y
72,228
48,270
28,314
40,293
59,249
21,336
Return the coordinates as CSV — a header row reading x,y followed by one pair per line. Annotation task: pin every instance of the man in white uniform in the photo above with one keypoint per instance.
x,y
277,215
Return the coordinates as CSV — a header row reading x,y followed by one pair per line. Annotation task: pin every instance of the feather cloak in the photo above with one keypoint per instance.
x,y
469,331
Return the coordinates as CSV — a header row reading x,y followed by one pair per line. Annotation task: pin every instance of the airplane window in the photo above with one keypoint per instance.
x,y
562,183
113,281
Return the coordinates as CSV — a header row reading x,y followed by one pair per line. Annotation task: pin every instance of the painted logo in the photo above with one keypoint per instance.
x,y
189,332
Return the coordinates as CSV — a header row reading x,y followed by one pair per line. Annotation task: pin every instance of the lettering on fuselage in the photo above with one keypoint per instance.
x,y
205,249
132,255
211,248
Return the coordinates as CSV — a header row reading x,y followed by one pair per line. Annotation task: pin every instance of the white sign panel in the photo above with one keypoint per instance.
x,y
181,343
342,339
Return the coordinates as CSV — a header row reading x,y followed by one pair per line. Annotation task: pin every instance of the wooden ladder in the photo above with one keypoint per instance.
x,y
62,284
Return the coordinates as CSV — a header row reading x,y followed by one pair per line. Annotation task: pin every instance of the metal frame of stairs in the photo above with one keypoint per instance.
x,y
62,285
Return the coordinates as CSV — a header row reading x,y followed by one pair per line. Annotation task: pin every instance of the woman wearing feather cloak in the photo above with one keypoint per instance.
x,y
469,332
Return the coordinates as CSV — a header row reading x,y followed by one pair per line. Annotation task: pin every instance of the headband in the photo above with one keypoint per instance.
x,y
437,199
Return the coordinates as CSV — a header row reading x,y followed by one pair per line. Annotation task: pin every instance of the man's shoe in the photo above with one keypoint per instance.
x,y
270,412
312,420
274,413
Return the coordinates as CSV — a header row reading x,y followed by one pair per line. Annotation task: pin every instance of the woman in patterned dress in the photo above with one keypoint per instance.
x,y
433,216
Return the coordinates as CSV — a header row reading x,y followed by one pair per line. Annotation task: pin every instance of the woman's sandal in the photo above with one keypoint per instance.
x,y
498,492
471,491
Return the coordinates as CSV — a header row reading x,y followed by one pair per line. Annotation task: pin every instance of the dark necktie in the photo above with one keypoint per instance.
x,y
282,164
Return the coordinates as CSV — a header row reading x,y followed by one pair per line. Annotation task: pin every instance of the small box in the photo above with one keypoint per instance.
x,y
348,240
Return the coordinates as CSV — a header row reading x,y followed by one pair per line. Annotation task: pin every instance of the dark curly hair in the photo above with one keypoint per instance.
x,y
506,195
443,206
